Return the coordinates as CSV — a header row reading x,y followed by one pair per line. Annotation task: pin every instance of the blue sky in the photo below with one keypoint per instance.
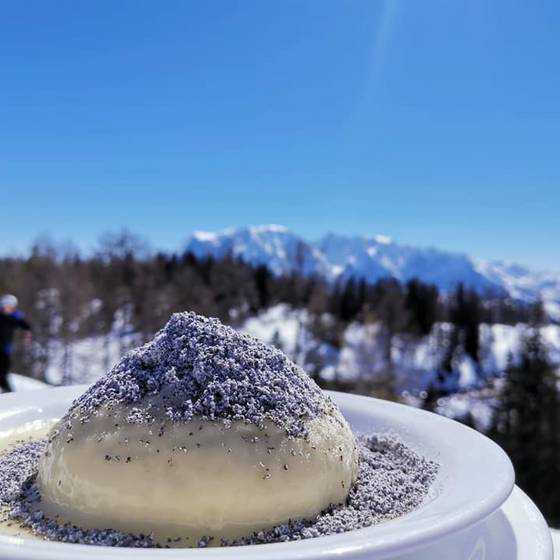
x,y
435,122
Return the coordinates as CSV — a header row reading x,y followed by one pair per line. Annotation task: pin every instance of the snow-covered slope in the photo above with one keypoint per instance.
x,y
86,359
414,362
375,257
23,383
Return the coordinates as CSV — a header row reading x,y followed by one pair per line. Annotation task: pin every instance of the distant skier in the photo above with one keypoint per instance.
x,y
10,320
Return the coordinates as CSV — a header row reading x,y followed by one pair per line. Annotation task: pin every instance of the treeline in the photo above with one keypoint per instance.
x,y
123,288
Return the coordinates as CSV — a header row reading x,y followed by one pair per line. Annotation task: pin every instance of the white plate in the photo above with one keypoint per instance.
x,y
532,536
517,531
475,479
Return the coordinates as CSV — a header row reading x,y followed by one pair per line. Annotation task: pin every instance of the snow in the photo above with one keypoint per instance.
x,y
361,355
272,245
273,228
415,362
498,343
85,360
279,324
375,257
473,388
473,405
383,239
468,372
22,383
551,337
289,330
524,284
552,308
205,236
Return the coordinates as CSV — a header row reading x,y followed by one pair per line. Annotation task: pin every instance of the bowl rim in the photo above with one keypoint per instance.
x,y
425,525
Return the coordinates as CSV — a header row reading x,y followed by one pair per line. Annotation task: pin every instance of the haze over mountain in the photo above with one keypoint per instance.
x,y
375,257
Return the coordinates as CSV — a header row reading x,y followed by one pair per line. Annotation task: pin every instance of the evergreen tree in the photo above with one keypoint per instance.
x,y
262,281
349,301
421,304
526,426
465,316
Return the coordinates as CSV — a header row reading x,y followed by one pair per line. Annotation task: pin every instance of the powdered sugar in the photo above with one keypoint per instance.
x,y
199,367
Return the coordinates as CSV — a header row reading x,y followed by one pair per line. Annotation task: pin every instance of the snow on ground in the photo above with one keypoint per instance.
x,y
551,337
289,330
87,359
363,350
473,387
498,343
23,383
476,406
279,325
361,354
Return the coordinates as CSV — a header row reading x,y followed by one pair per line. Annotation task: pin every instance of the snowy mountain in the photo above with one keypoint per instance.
x,y
378,257
273,246
524,284
375,257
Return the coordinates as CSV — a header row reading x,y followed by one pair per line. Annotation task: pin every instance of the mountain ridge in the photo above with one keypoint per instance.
x,y
373,257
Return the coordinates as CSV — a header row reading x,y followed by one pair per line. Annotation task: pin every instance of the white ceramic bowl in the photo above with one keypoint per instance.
x,y
475,479
517,531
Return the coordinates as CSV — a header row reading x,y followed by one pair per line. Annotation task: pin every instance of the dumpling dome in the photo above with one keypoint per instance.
x,y
202,432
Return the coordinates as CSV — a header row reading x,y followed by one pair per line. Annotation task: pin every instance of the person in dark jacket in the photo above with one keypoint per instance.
x,y
10,320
